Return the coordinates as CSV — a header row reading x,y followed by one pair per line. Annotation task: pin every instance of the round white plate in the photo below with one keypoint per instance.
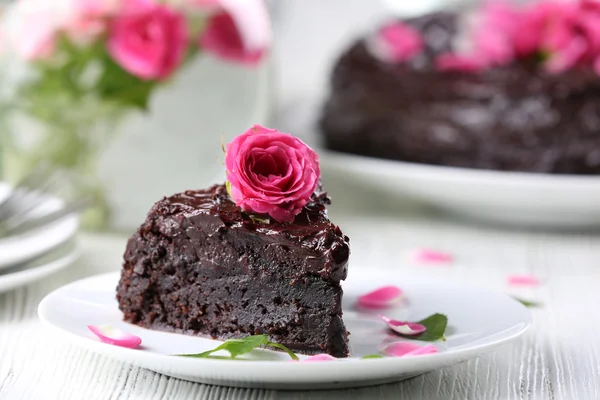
x,y
40,268
516,198
479,321
20,248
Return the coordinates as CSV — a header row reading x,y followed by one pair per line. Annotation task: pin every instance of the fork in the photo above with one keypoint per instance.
x,y
26,196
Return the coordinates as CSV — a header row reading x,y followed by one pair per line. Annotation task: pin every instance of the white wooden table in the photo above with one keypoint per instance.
x,y
559,358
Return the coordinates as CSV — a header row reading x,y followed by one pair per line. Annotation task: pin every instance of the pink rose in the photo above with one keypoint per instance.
x,y
240,31
396,43
563,34
151,42
38,40
32,30
88,18
271,172
492,41
495,36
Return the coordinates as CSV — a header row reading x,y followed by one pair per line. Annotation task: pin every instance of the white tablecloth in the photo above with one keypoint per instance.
x,y
559,358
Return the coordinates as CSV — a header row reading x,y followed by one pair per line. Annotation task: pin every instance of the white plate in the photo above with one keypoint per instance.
x,y
20,248
516,198
479,321
42,267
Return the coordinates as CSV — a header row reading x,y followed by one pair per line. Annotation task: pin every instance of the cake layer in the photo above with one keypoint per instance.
x,y
516,118
198,265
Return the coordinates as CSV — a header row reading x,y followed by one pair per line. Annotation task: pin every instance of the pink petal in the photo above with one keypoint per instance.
x,y
382,297
396,42
567,57
115,336
428,256
403,349
402,327
459,63
241,33
522,280
319,357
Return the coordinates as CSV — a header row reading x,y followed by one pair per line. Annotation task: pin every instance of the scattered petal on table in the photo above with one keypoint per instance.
x,y
522,280
116,336
402,349
429,256
383,297
403,327
319,357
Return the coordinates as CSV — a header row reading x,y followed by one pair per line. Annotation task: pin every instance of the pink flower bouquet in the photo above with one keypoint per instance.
x,y
136,44
87,63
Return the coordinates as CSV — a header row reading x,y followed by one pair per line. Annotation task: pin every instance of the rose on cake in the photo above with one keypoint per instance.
x,y
270,172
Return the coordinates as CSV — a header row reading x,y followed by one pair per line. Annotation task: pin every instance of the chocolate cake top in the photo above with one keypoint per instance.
x,y
421,81
212,212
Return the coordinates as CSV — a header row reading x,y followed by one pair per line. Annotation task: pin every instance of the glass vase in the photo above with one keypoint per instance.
x,y
63,135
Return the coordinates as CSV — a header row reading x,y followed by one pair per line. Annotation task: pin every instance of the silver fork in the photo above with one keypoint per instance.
x,y
26,194
15,209
29,224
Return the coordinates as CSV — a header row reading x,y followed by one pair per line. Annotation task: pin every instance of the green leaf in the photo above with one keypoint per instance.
x,y
528,303
370,356
285,349
436,325
228,187
116,84
237,347
260,220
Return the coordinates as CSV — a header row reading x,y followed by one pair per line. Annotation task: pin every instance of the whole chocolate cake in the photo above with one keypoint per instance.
x,y
424,106
202,265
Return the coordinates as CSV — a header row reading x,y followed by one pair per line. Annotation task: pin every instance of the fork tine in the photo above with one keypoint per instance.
x,y
31,224
26,194
32,180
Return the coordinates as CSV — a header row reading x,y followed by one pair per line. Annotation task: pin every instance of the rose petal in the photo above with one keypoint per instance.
x,y
403,349
396,43
319,357
115,336
597,65
429,256
402,327
240,33
567,57
380,298
522,280
459,63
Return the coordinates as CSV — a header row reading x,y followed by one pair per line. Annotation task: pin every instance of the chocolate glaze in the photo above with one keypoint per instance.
x,y
199,265
211,212
513,118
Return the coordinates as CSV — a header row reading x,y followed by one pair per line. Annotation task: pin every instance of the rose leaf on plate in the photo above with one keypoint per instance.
x,y
528,303
436,325
371,356
237,347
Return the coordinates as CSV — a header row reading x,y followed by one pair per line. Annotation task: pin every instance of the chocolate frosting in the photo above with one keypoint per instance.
x,y
197,213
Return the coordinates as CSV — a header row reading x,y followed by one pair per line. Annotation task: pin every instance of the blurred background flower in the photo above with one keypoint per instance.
x,y
87,65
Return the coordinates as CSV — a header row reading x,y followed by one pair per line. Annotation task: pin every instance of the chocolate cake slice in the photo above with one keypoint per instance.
x,y
199,265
